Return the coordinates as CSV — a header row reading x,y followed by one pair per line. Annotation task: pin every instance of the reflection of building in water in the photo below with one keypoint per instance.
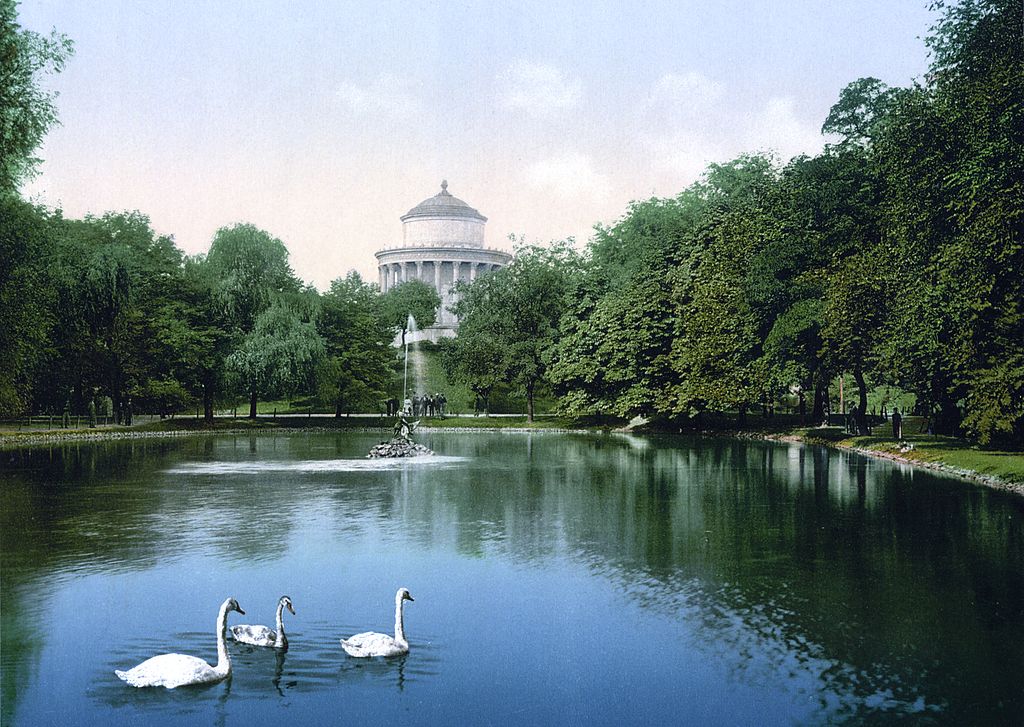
x,y
442,242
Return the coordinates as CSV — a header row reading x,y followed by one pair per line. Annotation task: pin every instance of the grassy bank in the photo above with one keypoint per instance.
x,y
945,453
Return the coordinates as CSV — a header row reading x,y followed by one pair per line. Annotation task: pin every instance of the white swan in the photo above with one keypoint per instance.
x,y
263,636
374,644
178,670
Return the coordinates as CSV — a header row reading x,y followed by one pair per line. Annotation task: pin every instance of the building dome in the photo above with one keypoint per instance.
x,y
442,244
443,204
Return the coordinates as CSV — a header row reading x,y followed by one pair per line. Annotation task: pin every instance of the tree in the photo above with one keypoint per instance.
x,y
476,360
410,298
27,299
954,212
360,361
278,356
252,268
519,308
611,355
27,111
717,346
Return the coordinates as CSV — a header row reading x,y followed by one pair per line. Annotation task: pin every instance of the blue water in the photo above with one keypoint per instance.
x,y
558,579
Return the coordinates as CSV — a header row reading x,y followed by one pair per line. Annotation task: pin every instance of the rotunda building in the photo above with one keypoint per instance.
x,y
442,242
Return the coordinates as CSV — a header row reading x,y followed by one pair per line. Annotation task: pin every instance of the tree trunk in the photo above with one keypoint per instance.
x,y
803,406
337,410
743,416
252,404
947,417
820,392
207,403
529,403
860,414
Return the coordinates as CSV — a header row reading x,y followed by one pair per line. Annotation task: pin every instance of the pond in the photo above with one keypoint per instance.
x,y
584,579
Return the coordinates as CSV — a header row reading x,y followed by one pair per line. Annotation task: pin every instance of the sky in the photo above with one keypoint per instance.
x,y
323,122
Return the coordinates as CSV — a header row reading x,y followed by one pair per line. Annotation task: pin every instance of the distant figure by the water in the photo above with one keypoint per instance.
x,y
897,424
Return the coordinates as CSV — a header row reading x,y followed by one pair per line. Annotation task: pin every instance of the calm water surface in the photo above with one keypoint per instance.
x,y
559,579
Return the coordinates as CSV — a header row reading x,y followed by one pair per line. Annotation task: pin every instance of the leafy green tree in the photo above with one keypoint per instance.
x,y
278,357
953,210
252,270
476,360
412,297
519,308
27,110
27,298
194,336
612,353
360,361
862,109
717,347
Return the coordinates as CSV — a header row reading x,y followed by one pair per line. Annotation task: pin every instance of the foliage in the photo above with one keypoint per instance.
x,y
518,308
278,357
476,360
410,298
26,301
252,268
27,110
357,369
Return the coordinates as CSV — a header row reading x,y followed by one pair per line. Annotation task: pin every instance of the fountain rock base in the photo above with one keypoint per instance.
x,y
399,447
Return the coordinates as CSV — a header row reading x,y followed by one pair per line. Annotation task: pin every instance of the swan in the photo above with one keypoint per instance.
x,y
374,644
263,636
178,670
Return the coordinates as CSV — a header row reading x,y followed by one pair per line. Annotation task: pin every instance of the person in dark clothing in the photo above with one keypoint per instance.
x,y
897,424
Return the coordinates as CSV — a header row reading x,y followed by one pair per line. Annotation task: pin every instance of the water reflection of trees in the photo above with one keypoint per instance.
x,y
856,568
884,581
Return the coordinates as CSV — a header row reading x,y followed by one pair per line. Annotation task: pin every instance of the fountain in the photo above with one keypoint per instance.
x,y
401,444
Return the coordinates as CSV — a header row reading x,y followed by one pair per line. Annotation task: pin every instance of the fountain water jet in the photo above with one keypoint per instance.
x,y
401,444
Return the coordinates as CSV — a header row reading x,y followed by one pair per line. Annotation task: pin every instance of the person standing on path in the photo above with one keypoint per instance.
x,y
897,424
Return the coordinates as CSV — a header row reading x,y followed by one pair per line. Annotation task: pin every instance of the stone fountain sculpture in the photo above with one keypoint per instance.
x,y
401,444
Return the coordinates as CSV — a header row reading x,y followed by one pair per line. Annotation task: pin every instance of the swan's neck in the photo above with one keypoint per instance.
x,y
223,659
399,625
280,640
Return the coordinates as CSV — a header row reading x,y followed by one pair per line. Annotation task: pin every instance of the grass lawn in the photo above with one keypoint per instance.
x,y
949,451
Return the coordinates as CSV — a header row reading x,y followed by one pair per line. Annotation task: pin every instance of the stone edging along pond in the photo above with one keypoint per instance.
x,y
17,441
996,483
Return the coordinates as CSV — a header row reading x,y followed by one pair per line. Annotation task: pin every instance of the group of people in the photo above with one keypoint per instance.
x,y
896,418
420,405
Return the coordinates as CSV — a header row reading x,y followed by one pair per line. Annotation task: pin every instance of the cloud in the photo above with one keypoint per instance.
x,y
568,176
778,127
689,90
688,120
539,90
386,96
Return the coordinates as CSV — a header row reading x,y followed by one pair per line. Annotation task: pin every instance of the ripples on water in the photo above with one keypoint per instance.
x,y
558,578
313,465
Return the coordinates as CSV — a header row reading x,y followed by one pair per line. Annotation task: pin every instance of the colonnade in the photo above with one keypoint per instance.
x,y
392,274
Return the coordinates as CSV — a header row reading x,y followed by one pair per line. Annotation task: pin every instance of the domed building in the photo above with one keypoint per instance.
x,y
442,242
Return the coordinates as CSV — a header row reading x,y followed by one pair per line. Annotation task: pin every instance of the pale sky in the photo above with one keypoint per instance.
x,y
324,122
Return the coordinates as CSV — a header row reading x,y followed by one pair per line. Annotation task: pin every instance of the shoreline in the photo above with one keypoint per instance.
x,y
979,478
19,440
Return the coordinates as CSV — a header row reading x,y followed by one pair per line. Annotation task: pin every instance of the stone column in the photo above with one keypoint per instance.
x,y
472,271
402,273
437,276
382,278
456,270
419,270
